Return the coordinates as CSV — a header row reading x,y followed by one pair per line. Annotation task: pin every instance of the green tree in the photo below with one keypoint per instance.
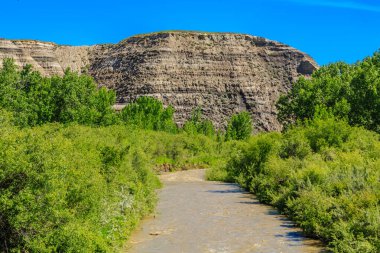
x,y
365,96
239,126
35,100
348,92
149,113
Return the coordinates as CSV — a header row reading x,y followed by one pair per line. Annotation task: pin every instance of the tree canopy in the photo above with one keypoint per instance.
x,y
35,99
149,113
349,92
239,127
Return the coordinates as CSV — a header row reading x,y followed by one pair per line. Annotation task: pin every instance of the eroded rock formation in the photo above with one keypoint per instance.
x,y
221,72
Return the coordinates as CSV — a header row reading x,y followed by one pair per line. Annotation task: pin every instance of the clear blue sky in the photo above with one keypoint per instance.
x,y
328,30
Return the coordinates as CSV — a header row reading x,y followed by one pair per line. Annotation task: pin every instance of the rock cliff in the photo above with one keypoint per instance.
x,y
221,72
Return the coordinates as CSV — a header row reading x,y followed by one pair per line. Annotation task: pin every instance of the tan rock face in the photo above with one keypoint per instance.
x,y
48,58
220,72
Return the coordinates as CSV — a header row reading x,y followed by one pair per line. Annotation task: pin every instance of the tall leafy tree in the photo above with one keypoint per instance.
x,y
149,113
239,126
349,92
35,100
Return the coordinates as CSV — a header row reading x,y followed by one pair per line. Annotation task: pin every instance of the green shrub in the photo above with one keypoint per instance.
x,y
295,144
324,174
35,100
149,113
197,125
83,189
239,127
349,92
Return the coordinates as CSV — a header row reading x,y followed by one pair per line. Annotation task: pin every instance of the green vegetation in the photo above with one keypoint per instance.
x,y
198,125
74,189
324,169
83,189
149,113
35,100
239,127
77,177
349,92
323,174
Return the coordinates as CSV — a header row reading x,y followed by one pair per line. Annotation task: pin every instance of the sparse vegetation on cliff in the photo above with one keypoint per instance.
x,y
201,76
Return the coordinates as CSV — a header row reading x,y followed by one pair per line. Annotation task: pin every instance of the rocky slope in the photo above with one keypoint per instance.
x,y
222,72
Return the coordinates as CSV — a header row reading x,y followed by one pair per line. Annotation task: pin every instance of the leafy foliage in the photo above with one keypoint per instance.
x,y
82,189
36,100
239,127
197,125
149,113
76,188
349,92
323,174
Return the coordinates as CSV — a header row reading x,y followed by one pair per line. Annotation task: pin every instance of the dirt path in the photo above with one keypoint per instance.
x,y
197,216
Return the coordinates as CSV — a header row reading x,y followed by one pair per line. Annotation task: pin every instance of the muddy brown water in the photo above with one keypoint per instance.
x,y
198,216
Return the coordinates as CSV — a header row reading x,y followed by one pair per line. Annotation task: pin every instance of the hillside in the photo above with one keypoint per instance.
x,y
222,72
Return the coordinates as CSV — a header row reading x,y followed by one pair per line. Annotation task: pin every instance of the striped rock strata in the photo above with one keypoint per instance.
x,y
223,73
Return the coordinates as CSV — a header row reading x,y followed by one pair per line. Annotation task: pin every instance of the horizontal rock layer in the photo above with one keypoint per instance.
x,y
223,73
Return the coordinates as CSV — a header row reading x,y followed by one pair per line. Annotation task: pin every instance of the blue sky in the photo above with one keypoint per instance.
x,y
328,30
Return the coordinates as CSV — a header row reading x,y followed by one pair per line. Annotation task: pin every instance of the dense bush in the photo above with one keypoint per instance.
x,y
72,189
82,189
149,113
349,92
197,124
323,174
35,100
75,188
239,127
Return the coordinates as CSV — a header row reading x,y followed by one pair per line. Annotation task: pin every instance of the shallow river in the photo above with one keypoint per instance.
x,y
197,216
